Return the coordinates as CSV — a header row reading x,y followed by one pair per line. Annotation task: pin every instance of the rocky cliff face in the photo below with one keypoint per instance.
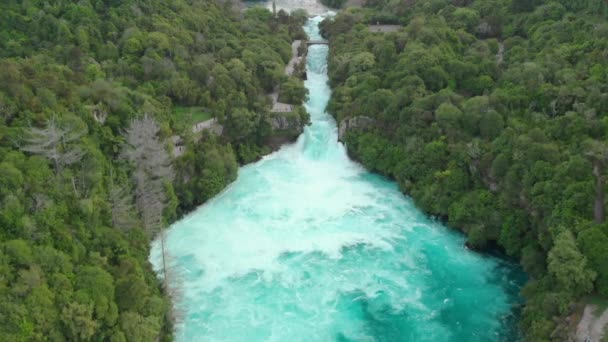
x,y
286,122
286,127
354,123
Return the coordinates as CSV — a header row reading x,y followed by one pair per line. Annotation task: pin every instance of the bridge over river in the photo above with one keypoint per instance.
x,y
317,42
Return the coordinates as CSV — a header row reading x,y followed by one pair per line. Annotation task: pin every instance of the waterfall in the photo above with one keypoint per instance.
x,y
306,245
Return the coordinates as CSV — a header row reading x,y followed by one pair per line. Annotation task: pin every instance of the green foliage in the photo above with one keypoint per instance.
x,y
190,115
292,90
73,255
568,266
204,172
489,114
594,245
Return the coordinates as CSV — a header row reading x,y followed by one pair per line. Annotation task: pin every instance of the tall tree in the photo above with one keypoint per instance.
x,y
569,266
594,244
153,170
122,207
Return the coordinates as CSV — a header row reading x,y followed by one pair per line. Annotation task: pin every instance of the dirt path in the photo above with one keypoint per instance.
x,y
294,57
278,107
592,327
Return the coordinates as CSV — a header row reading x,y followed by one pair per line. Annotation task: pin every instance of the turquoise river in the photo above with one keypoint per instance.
x,y
306,245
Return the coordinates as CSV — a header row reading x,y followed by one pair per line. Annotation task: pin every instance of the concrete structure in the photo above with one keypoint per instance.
x,y
279,107
210,124
317,42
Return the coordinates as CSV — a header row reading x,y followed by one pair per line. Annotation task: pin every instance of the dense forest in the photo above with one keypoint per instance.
x,y
90,93
493,116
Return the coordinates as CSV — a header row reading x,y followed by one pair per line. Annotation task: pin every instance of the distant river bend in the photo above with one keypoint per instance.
x,y
306,245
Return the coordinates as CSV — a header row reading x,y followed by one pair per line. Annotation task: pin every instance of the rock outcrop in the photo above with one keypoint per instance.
x,y
593,326
285,127
354,123
286,123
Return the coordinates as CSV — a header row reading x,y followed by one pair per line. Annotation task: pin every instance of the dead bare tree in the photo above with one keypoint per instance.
x,y
122,208
54,143
153,170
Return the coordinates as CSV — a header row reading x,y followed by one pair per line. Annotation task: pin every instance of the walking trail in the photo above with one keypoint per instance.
x,y
592,327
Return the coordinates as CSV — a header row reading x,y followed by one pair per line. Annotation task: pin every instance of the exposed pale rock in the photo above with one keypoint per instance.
x,y
285,122
357,122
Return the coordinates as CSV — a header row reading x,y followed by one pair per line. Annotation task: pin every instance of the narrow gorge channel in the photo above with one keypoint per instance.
x,y
306,245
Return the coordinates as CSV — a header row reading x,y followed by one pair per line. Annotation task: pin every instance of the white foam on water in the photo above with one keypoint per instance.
x,y
307,246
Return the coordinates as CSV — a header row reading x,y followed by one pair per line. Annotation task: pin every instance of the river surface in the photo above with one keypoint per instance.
x,y
314,7
306,245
